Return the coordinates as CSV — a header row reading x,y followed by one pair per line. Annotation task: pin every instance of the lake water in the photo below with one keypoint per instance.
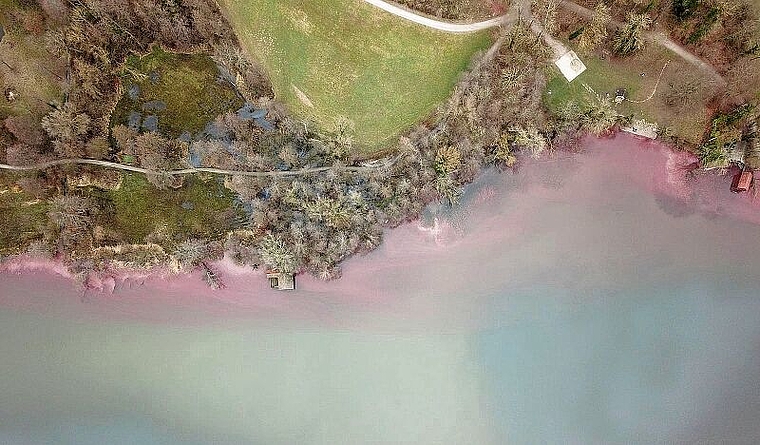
x,y
606,297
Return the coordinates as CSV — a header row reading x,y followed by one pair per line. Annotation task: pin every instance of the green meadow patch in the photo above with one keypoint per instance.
x,y
202,208
28,70
347,58
24,217
607,76
175,92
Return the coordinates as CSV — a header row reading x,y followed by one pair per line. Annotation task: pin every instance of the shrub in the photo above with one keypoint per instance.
x,y
630,38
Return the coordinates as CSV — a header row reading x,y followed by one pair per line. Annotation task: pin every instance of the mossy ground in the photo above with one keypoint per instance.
x,y
350,59
24,217
28,69
202,208
188,85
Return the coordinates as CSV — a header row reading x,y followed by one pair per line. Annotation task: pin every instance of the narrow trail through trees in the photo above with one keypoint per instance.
x,y
656,37
188,171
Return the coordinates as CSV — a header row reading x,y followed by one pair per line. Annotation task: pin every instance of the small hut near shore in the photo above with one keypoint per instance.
x,y
742,181
281,280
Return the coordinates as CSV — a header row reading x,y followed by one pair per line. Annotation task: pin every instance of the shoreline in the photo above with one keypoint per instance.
x,y
680,169
680,184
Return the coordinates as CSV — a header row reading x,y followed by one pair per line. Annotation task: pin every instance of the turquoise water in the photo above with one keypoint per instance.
x,y
595,300
677,367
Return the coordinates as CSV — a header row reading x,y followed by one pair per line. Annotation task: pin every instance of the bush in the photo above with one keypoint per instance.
x,y
630,38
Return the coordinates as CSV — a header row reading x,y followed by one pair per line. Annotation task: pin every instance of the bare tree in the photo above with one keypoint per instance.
x,y
67,127
277,254
447,159
600,116
70,212
596,32
630,38
529,138
190,253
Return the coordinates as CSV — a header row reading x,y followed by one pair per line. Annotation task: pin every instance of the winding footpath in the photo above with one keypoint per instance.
x,y
189,171
521,8
656,37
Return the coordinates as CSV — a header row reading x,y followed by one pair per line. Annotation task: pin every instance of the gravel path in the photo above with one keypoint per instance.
x,y
522,8
519,8
189,171
656,37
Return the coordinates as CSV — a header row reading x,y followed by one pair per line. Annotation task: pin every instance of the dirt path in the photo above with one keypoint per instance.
x,y
189,171
521,8
538,29
656,37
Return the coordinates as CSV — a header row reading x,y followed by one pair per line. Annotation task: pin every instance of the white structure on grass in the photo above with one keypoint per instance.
x,y
570,65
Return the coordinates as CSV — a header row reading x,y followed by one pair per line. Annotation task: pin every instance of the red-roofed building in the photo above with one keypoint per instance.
x,y
742,182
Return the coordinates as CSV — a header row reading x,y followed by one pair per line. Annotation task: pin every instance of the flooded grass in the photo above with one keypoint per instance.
x,y
173,93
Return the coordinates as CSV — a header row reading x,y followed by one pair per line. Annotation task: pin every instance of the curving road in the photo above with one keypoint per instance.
x,y
521,8
440,25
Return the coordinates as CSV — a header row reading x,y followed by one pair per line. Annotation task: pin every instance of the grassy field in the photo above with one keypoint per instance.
x,y
609,75
201,208
186,85
330,58
32,73
23,216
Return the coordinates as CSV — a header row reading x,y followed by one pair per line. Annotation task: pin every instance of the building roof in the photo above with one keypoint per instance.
x,y
570,65
281,280
742,181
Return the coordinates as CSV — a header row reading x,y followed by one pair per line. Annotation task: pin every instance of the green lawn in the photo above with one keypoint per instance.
x,y
27,69
201,208
347,58
608,75
23,216
186,84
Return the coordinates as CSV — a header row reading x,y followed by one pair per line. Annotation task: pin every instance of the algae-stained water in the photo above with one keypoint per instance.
x,y
601,298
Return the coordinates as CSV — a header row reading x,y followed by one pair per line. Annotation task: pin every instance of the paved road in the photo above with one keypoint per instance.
x,y
440,25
